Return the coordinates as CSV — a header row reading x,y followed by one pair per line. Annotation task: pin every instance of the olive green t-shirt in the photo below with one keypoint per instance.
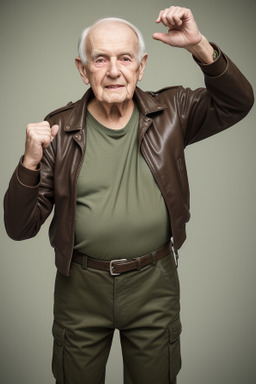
x,y
120,211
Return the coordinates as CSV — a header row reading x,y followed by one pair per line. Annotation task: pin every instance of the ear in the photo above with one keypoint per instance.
x,y
81,70
143,66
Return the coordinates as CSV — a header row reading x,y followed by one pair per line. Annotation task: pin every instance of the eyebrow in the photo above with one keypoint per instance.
x,y
103,54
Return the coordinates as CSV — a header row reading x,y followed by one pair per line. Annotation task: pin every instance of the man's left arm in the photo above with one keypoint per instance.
x,y
228,97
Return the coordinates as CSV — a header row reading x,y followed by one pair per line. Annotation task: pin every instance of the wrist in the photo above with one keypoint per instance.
x,y
29,164
202,51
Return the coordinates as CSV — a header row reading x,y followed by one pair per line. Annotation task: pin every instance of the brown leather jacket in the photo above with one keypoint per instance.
x,y
170,119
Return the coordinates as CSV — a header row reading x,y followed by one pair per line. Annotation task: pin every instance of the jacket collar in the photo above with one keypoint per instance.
x,y
77,118
146,102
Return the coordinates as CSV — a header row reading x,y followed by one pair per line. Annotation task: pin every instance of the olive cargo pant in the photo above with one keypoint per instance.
x,y
143,305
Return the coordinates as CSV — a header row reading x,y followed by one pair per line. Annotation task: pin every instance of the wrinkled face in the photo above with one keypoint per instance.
x,y
112,66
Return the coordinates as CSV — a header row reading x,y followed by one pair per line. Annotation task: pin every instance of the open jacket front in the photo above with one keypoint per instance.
x,y
170,119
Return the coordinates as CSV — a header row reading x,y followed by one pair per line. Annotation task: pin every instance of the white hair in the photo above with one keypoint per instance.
x,y
82,39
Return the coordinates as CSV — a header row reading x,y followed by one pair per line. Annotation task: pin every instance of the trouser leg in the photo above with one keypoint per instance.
x,y
83,327
150,325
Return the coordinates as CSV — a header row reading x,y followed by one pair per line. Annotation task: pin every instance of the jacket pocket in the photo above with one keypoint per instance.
x,y
174,330
58,352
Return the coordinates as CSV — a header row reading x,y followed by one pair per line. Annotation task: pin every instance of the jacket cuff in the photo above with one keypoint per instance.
x,y
218,67
28,177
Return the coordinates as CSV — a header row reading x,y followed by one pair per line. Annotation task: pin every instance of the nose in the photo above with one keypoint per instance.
x,y
113,69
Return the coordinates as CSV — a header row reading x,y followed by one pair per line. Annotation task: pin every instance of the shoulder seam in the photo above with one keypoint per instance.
x,y
155,93
70,105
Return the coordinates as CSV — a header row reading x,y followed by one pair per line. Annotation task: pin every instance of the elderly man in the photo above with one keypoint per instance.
x,y
113,166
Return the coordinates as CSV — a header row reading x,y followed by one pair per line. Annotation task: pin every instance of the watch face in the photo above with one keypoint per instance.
x,y
214,55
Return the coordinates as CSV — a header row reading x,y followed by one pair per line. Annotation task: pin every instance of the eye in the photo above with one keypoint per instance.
x,y
100,60
126,59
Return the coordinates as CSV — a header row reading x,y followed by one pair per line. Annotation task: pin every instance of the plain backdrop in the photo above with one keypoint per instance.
x,y
217,262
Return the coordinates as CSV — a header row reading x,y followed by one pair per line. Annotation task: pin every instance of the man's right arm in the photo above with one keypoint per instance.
x,y
24,208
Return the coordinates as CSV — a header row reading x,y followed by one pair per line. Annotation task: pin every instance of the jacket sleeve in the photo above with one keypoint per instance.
x,y
227,99
29,198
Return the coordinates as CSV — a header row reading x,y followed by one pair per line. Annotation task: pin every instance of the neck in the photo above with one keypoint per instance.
x,y
113,116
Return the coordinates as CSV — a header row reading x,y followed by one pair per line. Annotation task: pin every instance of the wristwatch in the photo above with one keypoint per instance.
x,y
215,55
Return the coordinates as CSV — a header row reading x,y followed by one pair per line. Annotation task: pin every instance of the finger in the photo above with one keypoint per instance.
x,y
54,130
175,20
182,15
49,136
158,20
168,12
40,124
162,18
46,140
161,37
172,17
37,133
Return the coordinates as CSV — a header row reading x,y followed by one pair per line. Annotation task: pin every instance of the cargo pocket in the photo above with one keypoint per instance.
x,y
58,351
174,330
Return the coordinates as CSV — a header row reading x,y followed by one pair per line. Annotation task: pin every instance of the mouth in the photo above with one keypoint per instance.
x,y
114,86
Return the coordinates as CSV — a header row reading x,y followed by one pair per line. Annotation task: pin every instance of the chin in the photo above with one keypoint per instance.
x,y
116,100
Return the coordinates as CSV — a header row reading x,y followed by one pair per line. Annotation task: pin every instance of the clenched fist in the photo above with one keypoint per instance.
x,y
183,32
38,137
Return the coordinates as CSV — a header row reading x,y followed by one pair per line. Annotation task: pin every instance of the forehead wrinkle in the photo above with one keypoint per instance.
x,y
108,40
104,53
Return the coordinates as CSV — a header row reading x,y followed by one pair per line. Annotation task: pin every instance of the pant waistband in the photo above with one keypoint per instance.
x,y
118,266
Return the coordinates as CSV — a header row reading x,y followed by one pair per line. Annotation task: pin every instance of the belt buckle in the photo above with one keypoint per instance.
x,y
111,266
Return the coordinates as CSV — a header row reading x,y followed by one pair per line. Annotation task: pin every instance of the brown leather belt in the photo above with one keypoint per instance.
x,y
117,266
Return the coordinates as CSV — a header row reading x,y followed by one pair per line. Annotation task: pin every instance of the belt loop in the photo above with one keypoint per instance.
x,y
85,262
153,257
138,259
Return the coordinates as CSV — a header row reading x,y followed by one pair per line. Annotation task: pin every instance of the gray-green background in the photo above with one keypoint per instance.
x,y
217,267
